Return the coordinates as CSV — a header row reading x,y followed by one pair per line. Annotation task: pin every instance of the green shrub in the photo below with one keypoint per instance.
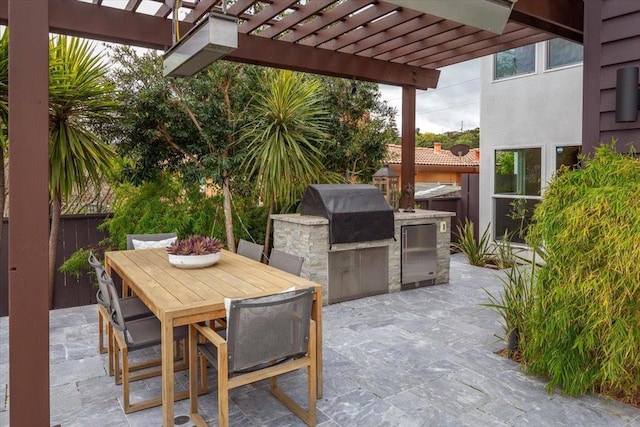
x,y
501,253
584,329
476,252
167,205
77,264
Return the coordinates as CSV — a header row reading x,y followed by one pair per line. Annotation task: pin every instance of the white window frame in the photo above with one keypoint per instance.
x,y
517,76
545,65
494,195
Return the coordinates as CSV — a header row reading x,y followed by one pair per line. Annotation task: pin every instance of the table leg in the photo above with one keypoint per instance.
x,y
317,316
167,372
125,289
193,370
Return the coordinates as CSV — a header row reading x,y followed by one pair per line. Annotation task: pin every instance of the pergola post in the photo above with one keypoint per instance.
x,y
29,216
408,166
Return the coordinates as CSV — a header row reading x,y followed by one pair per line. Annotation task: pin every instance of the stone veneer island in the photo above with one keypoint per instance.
x,y
308,236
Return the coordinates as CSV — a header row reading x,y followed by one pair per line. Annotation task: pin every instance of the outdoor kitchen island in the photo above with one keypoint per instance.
x,y
414,252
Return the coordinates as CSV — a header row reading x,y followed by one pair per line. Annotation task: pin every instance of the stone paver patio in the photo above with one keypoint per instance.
x,y
415,358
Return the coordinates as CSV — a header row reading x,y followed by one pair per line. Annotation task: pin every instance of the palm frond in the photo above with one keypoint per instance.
x,y
78,94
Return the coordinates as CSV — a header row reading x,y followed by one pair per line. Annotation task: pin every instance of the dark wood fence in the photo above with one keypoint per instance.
x,y
76,231
470,200
465,206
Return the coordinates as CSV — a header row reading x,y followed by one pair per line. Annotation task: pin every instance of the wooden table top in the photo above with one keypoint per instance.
x,y
174,292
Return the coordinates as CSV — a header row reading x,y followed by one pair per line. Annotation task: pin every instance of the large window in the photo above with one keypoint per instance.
x,y
514,62
561,53
517,185
518,171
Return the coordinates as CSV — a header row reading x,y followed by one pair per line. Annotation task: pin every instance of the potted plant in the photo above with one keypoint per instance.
x,y
194,252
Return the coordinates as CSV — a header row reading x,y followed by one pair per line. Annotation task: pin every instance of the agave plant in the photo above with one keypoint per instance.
x,y
195,245
477,252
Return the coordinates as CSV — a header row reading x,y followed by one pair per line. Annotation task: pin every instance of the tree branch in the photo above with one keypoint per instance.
x,y
192,116
165,135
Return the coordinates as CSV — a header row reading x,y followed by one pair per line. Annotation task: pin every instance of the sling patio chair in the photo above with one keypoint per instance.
x,y
250,250
132,308
286,262
138,334
265,337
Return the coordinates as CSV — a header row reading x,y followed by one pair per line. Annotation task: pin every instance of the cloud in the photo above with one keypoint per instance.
x,y
453,105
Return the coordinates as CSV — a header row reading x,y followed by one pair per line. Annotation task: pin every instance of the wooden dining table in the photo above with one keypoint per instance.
x,y
187,296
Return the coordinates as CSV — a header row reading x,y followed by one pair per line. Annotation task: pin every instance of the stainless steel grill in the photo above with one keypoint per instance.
x,y
356,212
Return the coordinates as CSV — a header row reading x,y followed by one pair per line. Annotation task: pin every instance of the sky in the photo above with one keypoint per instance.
x,y
453,105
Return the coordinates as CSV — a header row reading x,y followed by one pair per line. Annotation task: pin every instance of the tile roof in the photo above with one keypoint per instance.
x,y
431,157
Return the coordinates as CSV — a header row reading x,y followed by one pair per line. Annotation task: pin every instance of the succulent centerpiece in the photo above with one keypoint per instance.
x,y
194,252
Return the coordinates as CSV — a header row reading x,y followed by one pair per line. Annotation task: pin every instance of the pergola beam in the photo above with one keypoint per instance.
x,y
277,54
562,18
408,150
86,20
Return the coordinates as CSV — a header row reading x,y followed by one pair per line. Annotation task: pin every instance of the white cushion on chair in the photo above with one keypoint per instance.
x,y
152,244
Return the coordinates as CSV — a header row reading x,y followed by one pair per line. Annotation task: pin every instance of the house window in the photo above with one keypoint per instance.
x,y
518,171
512,217
568,156
517,185
561,53
515,62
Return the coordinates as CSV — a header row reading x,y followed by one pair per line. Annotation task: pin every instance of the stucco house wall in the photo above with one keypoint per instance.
x,y
541,109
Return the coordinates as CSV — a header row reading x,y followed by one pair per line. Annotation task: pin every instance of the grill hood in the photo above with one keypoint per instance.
x,y
356,212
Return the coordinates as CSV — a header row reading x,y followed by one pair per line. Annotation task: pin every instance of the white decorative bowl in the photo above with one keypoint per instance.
x,y
193,261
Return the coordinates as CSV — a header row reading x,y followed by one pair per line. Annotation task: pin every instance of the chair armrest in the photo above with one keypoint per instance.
x,y
210,335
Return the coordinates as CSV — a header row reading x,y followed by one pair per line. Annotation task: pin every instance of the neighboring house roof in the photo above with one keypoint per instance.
x,y
435,157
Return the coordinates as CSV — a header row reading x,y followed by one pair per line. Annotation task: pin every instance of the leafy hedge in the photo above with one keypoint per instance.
x,y
167,205
584,330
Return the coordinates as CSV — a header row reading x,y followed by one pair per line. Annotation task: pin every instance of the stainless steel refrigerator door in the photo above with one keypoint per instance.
x,y
419,261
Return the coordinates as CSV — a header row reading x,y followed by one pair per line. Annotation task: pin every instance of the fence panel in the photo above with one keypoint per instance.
x,y
470,200
76,231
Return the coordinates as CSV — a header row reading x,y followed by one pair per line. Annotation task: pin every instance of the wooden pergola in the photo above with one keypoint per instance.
x,y
365,40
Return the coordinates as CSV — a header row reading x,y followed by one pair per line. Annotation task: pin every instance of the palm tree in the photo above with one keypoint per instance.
x,y
284,137
78,95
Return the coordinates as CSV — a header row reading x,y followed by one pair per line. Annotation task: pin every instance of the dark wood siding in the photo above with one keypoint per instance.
x,y
611,41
